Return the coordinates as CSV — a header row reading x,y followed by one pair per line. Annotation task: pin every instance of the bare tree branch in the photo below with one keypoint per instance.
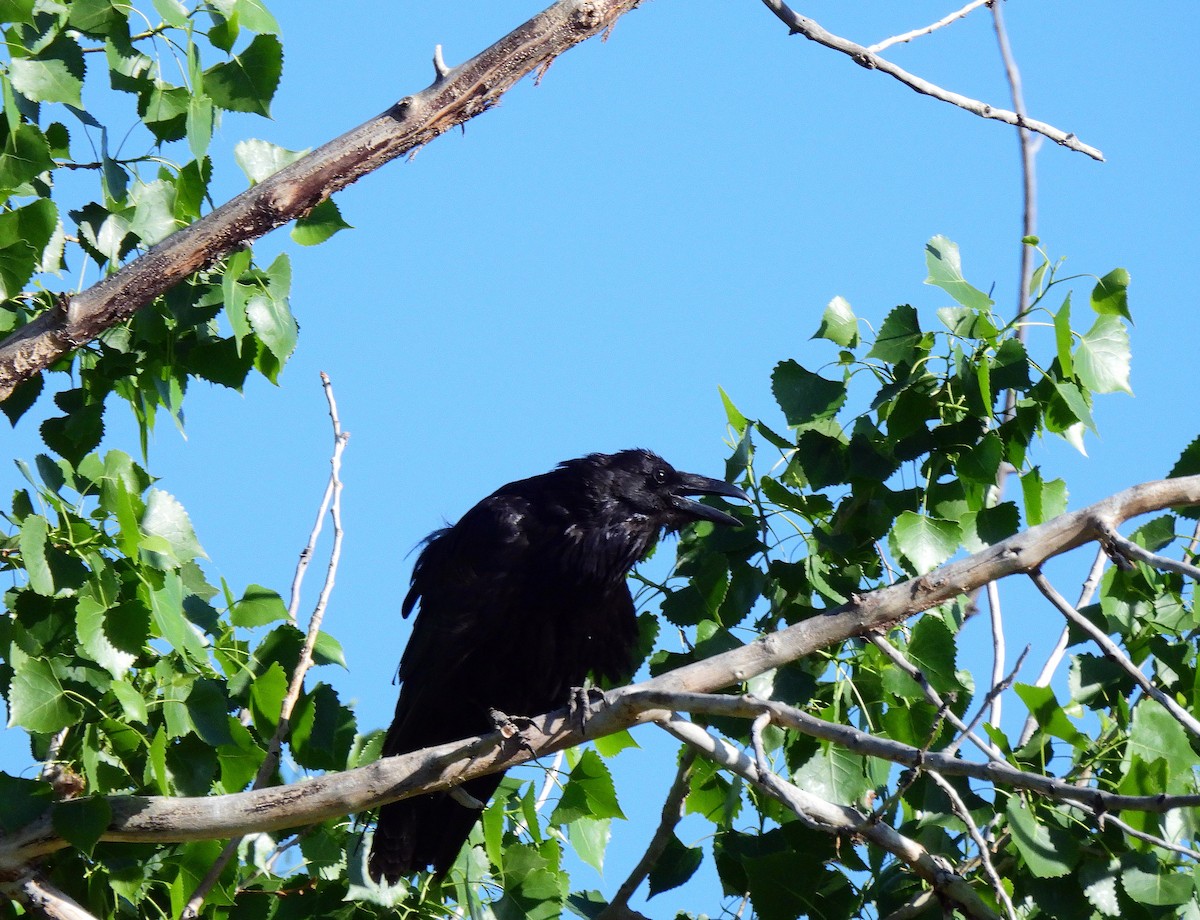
x,y
1130,549
672,811
802,25
998,651
1029,149
1001,774
985,856
455,97
836,819
917,33
44,900
899,660
1060,647
1113,651
331,500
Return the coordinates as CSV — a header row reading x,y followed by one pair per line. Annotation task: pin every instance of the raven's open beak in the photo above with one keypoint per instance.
x,y
691,484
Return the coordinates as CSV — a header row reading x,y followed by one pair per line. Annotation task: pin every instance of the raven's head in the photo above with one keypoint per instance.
x,y
644,484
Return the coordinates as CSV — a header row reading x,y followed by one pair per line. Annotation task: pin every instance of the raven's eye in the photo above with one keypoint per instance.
x,y
660,475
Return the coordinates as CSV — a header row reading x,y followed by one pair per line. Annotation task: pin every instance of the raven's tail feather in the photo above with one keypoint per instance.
x,y
424,831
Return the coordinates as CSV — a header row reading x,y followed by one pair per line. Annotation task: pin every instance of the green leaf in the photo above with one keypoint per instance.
x,y
968,323
266,696
838,324
173,12
1063,338
154,211
589,792
322,730
208,708
22,398
737,421
201,115
589,837
132,702
16,11
945,271
37,700
248,82
82,821
1043,500
272,321
327,650
54,75
833,774
166,607
26,154
1047,854
1110,296
1147,881
168,538
925,541
1048,713
259,159
258,607
804,396
22,801
900,340
611,745
90,628
253,15
32,541
319,224
675,866
932,649
94,17
1102,356
1155,734
24,235
1188,463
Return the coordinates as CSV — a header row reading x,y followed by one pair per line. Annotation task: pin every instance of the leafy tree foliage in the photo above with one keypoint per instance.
x,y
915,444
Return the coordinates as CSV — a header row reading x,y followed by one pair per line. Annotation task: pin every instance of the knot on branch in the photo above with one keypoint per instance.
x,y
586,18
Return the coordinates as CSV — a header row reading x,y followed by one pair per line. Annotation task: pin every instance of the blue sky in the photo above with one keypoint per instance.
x,y
667,212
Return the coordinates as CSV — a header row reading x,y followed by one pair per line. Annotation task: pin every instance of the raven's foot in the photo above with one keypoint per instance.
x,y
513,727
585,702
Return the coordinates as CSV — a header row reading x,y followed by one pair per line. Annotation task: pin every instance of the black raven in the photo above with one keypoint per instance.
x,y
519,602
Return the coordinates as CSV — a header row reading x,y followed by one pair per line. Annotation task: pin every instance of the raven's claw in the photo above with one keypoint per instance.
x,y
512,727
585,702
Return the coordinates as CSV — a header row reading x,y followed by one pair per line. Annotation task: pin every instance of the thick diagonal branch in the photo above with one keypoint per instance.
x,y
457,95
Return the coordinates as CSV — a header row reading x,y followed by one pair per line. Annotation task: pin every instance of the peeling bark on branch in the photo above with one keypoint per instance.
x,y
456,96
162,819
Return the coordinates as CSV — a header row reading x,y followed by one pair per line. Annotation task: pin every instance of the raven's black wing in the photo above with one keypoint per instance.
x,y
510,620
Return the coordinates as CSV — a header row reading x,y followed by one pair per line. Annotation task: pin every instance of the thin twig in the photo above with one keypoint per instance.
x,y
1104,818
897,658
802,25
1113,651
985,855
1086,592
672,812
1128,548
835,819
333,501
1028,149
997,621
852,739
917,33
994,692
